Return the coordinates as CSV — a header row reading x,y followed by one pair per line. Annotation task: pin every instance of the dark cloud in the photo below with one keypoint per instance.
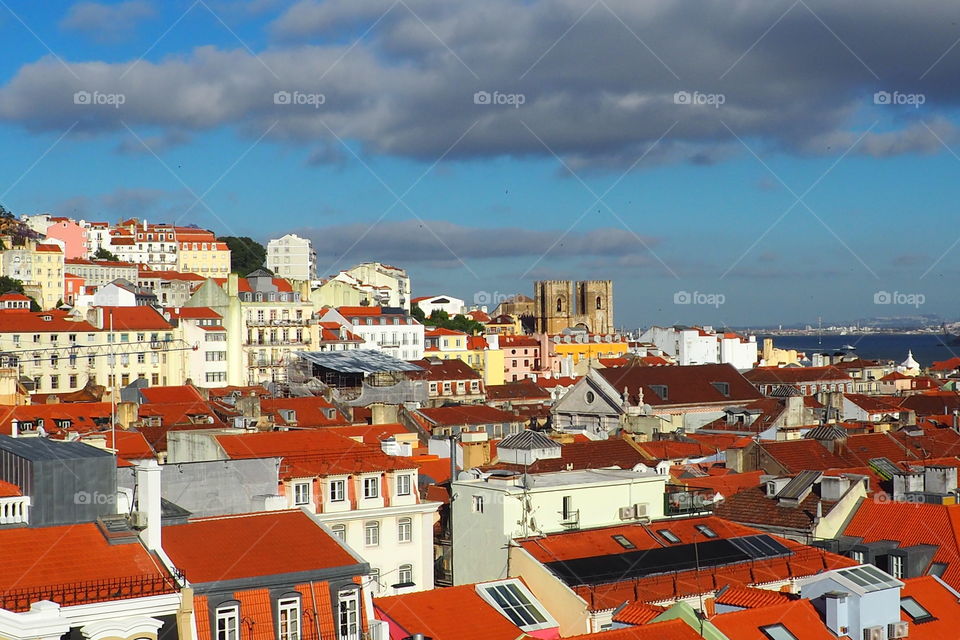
x,y
599,94
448,244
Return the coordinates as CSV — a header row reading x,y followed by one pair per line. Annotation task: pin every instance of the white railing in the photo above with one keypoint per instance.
x,y
15,510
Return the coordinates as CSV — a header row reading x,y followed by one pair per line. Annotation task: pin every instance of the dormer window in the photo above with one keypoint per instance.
x,y
722,387
288,619
660,390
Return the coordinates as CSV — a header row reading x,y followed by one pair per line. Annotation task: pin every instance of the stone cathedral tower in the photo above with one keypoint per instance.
x,y
561,304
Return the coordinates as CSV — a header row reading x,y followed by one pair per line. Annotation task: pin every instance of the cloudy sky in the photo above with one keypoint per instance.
x,y
774,160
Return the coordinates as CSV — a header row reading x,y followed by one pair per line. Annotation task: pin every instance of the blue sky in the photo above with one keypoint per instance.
x,y
602,172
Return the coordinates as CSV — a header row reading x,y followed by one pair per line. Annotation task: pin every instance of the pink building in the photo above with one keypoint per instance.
x,y
72,287
73,236
521,357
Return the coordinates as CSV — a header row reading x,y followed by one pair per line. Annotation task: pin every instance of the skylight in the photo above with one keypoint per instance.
x,y
706,531
512,599
937,569
622,540
869,577
669,536
913,609
777,632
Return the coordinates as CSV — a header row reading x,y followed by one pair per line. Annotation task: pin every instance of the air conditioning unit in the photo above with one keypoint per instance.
x,y
873,633
898,630
640,510
138,520
626,513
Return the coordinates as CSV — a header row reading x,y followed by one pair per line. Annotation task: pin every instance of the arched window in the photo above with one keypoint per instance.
x,y
599,303
559,304
405,530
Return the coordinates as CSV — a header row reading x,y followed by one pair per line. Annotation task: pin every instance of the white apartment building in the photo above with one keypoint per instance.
x,y
492,509
292,257
379,514
202,328
703,345
96,273
392,283
429,304
390,330
110,346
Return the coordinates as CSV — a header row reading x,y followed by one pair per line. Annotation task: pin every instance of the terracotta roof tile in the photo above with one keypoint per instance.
x,y
207,549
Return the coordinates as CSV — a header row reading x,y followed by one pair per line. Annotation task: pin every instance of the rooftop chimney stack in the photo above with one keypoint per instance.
x,y
148,502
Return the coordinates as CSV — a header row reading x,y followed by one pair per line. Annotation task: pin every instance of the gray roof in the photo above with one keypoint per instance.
x,y
357,361
38,448
799,484
826,432
527,440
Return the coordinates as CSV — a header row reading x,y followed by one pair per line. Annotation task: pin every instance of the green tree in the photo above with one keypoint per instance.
x,y
246,254
103,254
418,313
441,319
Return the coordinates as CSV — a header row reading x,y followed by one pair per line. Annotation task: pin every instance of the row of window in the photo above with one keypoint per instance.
x,y
73,380
336,489
72,338
371,532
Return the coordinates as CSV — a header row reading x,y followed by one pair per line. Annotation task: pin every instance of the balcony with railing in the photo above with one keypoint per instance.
x,y
679,500
15,510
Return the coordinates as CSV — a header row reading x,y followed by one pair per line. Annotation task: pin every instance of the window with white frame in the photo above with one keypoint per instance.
x,y
339,530
228,622
403,484
477,504
371,487
348,615
337,490
405,574
301,493
288,627
405,530
896,566
371,534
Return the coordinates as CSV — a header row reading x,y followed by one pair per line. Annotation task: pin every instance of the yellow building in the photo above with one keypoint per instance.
x,y
447,344
586,346
338,293
199,252
39,267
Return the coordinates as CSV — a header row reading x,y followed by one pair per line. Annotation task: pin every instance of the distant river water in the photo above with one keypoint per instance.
x,y
927,348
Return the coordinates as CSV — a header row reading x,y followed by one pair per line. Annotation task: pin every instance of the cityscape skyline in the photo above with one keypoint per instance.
x,y
721,161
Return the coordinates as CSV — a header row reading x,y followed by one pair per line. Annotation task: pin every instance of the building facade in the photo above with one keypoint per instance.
x,y
292,257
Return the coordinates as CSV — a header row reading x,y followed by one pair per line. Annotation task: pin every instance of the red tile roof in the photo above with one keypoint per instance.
x,y
474,414
910,524
525,389
796,375
801,455
246,546
16,321
438,370
193,313
638,613
182,393
942,604
750,597
689,385
667,630
799,617
453,613
587,454
946,365
8,490
134,319
310,411
36,562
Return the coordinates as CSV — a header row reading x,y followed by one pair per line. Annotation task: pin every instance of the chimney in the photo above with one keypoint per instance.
x,y
794,410
383,413
248,406
127,414
148,502
939,480
233,285
832,488
906,482
734,458
909,418
837,612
